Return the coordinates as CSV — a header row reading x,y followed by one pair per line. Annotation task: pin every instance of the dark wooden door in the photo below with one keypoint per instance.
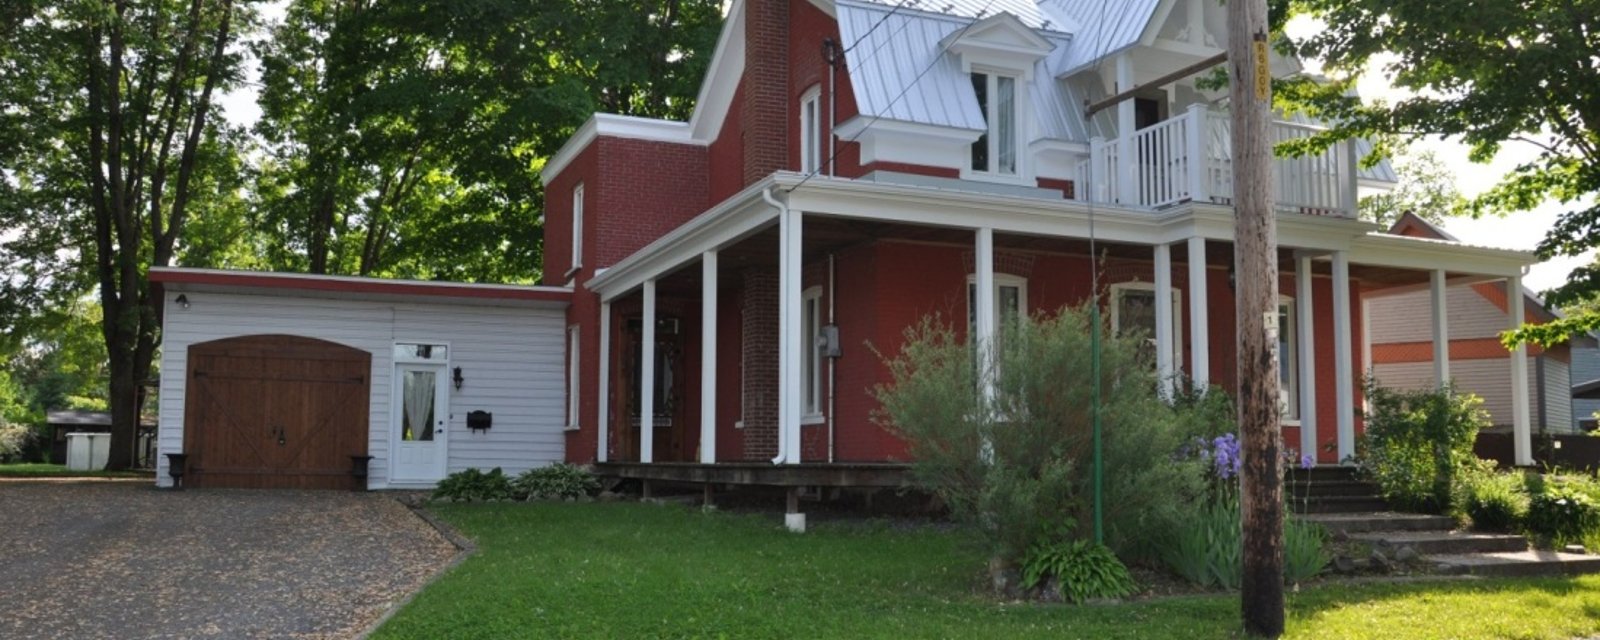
x,y
275,411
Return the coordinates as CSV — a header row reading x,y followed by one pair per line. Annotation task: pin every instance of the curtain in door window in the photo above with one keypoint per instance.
x,y
417,398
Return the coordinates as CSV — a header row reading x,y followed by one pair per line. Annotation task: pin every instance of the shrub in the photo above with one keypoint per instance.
x,y
560,481
1491,500
1020,468
1208,548
1082,569
1417,443
474,485
1305,550
14,439
1563,510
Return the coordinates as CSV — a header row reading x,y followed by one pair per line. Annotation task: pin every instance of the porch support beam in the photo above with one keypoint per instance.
x,y
789,338
1306,358
604,398
647,375
1164,324
984,313
1199,328
1343,358
1439,298
708,361
1127,122
1521,420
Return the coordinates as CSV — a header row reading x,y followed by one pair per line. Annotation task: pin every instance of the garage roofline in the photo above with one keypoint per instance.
x,y
184,279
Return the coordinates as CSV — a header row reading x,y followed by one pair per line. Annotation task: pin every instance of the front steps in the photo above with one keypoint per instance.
x,y
1331,489
1433,539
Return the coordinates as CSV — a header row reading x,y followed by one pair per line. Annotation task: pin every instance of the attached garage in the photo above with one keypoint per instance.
x,y
306,382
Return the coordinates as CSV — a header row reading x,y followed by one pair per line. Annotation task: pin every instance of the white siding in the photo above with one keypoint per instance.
x,y
1489,379
511,359
1557,396
1408,317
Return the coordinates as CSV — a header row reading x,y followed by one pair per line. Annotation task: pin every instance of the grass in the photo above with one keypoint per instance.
x,y
626,570
42,470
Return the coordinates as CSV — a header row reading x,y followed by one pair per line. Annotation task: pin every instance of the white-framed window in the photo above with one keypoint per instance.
x,y
1133,306
811,353
1288,361
577,226
572,377
995,152
811,130
1011,307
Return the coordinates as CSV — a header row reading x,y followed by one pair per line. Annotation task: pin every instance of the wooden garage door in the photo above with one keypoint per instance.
x,y
275,411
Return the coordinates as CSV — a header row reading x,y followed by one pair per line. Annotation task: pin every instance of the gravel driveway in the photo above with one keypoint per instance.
x,y
124,560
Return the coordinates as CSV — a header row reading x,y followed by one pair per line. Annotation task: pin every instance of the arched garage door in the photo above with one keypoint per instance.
x,y
275,411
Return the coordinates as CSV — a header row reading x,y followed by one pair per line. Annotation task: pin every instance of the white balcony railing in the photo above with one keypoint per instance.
x,y
1189,159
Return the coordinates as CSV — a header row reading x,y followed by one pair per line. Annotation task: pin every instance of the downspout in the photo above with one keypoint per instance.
x,y
833,119
783,217
832,362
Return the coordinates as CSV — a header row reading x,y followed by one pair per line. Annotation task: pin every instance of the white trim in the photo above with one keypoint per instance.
x,y
602,450
647,375
1305,298
615,126
313,277
1001,281
708,357
810,354
1521,419
1439,297
886,140
1169,343
1021,114
1199,321
1117,289
983,293
574,382
723,74
1343,368
811,155
1290,409
577,227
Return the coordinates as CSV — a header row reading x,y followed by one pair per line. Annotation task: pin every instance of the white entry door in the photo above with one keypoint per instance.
x,y
421,421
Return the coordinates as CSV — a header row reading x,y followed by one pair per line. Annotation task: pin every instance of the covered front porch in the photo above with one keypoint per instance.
x,y
857,261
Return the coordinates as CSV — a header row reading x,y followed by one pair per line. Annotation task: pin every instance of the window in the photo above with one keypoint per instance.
x,y
811,351
810,131
1133,307
577,227
1288,361
1010,298
996,150
572,377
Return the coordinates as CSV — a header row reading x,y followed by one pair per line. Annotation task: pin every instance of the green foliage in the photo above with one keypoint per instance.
x,y
1082,569
13,439
1426,188
1563,510
1020,469
1305,550
559,481
1417,443
1492,500
474,485
1207,548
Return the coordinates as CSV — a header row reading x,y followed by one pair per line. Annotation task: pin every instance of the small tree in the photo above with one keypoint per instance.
x,y
1020,469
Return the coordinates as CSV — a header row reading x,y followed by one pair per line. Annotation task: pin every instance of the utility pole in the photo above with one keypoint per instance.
x,y
1256,277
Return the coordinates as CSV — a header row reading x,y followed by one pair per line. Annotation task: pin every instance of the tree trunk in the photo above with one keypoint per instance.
x,y
1256,277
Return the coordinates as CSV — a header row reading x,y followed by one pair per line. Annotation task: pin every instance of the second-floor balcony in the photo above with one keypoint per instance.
x,y
1189,158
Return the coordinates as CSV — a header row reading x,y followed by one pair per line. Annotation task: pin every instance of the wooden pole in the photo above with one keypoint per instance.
x,y
1256,278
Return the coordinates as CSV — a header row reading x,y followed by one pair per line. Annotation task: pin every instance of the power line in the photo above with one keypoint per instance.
x,y
880,21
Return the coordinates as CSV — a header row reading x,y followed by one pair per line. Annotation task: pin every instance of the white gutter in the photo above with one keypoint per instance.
x,y
783,309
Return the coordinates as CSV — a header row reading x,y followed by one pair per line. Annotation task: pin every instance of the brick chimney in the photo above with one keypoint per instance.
x,y
765,110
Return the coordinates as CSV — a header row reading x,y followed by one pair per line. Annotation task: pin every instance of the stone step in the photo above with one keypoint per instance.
x,y
1517,563
1298,490
1364,522
1322,473
1443,542
1338,504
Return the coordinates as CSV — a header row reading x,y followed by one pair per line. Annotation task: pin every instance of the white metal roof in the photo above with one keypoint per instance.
x,y
1099,28
1026,10
888,59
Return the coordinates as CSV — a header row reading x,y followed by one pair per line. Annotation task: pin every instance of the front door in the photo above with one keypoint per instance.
x,y
421,417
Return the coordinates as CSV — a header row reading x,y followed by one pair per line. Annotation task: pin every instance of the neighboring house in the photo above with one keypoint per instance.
x,y
724,284
65,421
1403,356
1585,373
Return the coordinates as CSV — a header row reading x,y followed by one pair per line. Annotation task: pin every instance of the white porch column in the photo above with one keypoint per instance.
x,y
1199,329
1164,332
1350,199
1306,357
647,375
708,357
1199,160
984,312
1521,420
601,453
1438,296
789,338
1127,180
1343,365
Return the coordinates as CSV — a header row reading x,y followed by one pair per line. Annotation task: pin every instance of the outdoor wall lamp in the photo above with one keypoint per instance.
x,y
456,377
183,301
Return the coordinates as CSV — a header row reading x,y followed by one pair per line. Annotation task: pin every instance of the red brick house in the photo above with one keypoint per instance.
x,y
853,165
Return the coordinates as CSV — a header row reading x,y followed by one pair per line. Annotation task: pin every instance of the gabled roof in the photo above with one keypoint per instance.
x,y
1415,226
1099,27
1028,11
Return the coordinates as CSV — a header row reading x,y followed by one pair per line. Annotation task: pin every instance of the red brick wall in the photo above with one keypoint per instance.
x,y
766,107
759,328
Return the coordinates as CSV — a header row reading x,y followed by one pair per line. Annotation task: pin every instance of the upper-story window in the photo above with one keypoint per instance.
x,y
811,131
577,226
996,150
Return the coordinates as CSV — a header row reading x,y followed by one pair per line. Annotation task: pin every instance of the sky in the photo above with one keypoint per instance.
x,y
1518,231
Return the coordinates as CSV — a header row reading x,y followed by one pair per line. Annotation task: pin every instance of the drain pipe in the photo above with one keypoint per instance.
x,y
832,360
783,307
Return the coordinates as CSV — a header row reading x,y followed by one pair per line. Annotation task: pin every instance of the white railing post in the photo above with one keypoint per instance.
x,y
1198,159
1127,176
1352,197
1094,176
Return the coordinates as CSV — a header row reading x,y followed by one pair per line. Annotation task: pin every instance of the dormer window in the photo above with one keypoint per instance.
x,y
996,150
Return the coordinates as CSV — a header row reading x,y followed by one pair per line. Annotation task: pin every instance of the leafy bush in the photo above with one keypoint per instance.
x,y
1563,510
1020,468
1417,443
560,481
1083,570
1208,548
474,485
13,439
1305,550
1490,499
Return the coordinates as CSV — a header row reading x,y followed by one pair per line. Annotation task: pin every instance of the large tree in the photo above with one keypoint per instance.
x,y
1488,74
108,110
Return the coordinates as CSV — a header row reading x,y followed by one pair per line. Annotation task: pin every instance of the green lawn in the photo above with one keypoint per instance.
x,y
41,470
626,570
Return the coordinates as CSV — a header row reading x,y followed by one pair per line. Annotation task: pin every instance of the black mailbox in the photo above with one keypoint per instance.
x,y
479,420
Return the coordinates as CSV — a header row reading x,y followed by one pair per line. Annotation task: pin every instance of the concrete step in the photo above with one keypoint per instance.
x,y
1517,563
1316,489
1322,473
1364,522
1338,504
1443,542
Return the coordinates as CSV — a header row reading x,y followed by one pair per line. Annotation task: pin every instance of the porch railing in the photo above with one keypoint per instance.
x,y
1189,159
